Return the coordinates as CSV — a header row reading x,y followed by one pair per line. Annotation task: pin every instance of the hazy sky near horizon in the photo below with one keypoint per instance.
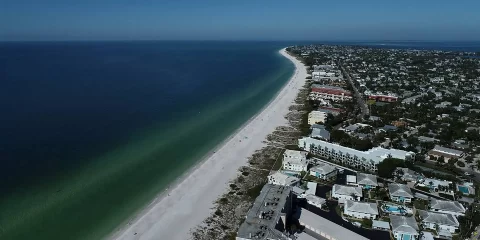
x,y
341,20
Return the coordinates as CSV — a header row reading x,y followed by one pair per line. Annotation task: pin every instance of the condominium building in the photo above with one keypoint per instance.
x,y
316,117
295,161
336,94
367,160
271,207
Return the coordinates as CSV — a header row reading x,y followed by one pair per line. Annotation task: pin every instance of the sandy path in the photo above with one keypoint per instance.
x,y
191,199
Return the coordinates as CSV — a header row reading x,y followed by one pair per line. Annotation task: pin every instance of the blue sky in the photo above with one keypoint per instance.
x,y
239,20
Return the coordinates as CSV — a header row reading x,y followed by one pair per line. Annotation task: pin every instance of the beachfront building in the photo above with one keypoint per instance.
x,y
367,181
450,207
295,161
282,179
315,200
367,160
446,153
343,192
400,193
438,221
360,209
324,171
325,92
270,208
404,228
316,117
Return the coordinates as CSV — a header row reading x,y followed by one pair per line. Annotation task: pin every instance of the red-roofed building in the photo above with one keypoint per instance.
x,y
330,93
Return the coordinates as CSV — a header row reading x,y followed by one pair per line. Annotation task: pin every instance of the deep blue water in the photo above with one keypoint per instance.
x,y
91,131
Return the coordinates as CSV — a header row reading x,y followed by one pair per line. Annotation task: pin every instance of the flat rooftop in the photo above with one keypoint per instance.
x,y
262,218
326,228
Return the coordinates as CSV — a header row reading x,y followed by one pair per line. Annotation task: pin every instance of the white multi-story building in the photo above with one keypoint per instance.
x,y
324,171
367,160
439,221
451,207
360,209
295,160
316,117
342,192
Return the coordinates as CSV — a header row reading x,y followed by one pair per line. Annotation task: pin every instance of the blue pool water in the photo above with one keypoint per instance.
x,y
390,208
463,189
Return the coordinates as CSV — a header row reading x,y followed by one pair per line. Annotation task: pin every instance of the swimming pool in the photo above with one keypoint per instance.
x,y
390,208
396,209
463,189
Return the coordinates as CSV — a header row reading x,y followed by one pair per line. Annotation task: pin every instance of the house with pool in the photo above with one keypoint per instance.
x,y
404,228
438,221
400,193
450,207
367,181
360,209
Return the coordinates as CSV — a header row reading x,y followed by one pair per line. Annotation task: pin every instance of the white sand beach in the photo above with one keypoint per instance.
x,y
190,200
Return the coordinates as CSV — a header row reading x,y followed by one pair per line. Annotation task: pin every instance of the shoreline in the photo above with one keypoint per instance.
x,y
212,174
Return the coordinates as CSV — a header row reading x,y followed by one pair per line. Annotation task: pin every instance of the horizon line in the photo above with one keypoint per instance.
x,y
232,40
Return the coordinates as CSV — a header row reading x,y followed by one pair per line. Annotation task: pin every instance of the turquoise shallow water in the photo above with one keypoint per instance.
x,y
93,131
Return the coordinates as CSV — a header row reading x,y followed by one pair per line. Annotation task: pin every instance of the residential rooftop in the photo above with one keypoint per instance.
x,y
367,179
438,218
444,205
347,190
361,207
401,190
404,224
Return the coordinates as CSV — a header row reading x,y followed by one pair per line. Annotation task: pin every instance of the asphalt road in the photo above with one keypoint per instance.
x,y
358,97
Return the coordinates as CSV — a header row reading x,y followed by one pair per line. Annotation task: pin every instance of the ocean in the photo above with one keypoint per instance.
x,y
93,131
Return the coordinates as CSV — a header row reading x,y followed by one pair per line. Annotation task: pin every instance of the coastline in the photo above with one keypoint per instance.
x,y
185,203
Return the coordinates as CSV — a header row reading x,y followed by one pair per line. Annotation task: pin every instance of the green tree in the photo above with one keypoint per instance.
x,y
388,166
